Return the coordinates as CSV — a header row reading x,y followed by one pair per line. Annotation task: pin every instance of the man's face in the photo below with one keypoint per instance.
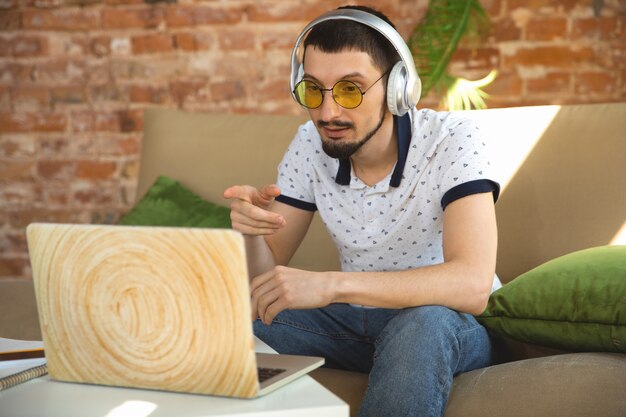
x,y
345,131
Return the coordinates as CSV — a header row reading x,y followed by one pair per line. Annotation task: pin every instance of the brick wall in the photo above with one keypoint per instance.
x,y
75,76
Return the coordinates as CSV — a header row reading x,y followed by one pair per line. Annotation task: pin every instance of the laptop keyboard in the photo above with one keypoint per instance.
x,y
267,373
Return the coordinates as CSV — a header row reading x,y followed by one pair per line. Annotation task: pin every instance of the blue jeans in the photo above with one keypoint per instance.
x,y
411,354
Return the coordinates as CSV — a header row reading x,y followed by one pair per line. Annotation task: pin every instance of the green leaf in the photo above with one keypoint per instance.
x,y
438,35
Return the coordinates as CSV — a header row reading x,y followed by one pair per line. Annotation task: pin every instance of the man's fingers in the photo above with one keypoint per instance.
x,y
268,193
240,192
255,216
268,305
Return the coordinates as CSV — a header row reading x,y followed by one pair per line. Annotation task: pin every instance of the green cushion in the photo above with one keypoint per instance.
x,y
168,203
576,302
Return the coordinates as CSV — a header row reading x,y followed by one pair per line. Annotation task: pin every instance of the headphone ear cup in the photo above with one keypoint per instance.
x,y
299,74
296,76
396,87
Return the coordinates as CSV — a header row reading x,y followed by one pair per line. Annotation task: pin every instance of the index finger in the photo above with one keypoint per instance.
x,y
239,192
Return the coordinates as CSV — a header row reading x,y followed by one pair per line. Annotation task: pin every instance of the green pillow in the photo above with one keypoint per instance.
x,y
576,302
168,203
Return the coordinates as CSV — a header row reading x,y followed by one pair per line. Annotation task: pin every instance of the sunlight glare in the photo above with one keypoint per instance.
x,y
620,237
133,409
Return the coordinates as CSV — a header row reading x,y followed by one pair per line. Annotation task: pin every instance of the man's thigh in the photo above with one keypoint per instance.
x,y
333,332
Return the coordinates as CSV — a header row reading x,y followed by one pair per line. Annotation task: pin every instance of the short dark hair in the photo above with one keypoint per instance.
x,y
331,37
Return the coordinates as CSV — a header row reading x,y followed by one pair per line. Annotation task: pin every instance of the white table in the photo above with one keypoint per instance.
x,y
42,397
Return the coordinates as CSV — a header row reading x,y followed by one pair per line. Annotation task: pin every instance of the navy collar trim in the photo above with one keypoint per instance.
x,y
403,130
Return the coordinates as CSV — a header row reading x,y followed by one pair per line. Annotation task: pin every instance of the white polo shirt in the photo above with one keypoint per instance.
x,y
396,224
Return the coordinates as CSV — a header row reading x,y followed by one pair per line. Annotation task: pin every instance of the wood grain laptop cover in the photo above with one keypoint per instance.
x,y
145,307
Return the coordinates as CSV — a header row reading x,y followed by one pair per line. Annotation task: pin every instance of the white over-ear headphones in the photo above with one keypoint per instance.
x,y
403,87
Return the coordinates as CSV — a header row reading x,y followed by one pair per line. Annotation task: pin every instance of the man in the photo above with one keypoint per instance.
x,y
409,204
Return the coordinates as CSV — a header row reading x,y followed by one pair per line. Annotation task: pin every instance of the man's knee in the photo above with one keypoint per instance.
x,y
427,320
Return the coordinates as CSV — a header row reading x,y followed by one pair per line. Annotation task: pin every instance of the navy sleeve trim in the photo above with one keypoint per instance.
x,y
296,203
469,188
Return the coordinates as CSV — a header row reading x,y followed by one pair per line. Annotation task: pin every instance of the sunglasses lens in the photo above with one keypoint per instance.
x,y
347,94
308,94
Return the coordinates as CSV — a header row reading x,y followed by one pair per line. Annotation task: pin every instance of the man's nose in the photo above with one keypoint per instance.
x,y
329,108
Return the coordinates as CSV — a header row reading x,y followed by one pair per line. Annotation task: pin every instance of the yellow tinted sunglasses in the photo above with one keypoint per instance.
x,y
345,93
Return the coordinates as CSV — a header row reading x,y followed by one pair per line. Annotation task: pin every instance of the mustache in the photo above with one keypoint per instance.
x,y
335,123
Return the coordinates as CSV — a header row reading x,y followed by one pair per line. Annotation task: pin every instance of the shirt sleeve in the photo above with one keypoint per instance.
x,y
464,159
296,174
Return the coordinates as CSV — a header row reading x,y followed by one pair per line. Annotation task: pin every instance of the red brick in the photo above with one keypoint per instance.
x,y
277,90
10,20
150,94
100,46
561,5
546,28
555,82
119,145
227,90
236,40
13,266
124,2
193,41
28,122
23,218
506,82
17,170
86,194
477,58
109,92
92,121
62,44
181,90
61,70
148,44
180,16
130,169
17,146
66,146
127,18
130,120
8,4
492,7
61,19
286,11
15,72
551,56
27,46
56,170
603,26
596,82
55,195
5,47
5,99
277,40
29,97
15,241
68,95
505,29
95,170
20,193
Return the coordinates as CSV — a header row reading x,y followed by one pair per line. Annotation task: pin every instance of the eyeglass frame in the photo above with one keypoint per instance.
x,y
323,90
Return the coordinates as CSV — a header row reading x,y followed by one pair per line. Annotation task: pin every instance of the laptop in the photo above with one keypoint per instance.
x,y
159,308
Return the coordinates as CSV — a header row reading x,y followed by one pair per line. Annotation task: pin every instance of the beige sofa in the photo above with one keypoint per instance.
x,y
563,173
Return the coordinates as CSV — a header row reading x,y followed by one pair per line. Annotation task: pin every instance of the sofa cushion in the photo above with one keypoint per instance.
x,y
575,302
169,203
573,385
560,385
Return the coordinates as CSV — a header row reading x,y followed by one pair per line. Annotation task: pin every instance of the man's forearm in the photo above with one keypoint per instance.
x,y
459,286
259,255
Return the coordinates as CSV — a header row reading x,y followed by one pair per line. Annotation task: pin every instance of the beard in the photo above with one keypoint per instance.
x,y
344,150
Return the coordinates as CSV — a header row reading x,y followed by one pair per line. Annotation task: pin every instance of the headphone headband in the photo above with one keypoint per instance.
x,y
412,89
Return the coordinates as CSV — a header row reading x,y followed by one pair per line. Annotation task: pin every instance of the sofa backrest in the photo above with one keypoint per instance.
x,y
562,170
